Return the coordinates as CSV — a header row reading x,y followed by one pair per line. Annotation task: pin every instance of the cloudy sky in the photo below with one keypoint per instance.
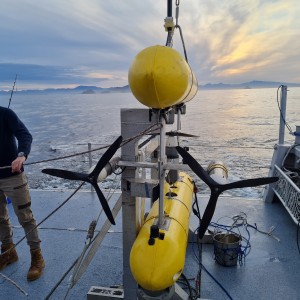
x,y
65,43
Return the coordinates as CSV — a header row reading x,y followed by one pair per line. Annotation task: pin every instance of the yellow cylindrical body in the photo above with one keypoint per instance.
x,y
159,77
157,266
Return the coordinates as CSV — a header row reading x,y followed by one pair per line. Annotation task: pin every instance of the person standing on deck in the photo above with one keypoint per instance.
x,y
13,184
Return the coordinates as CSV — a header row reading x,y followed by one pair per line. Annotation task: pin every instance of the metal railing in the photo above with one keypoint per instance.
x,y
288,193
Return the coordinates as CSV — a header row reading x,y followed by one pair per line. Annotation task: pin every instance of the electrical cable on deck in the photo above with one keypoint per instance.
x,y
186,282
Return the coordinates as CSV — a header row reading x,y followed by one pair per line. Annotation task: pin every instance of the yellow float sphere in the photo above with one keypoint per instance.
x,y
159,77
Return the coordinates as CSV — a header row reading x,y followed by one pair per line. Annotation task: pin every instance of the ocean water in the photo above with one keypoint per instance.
x,y
238,127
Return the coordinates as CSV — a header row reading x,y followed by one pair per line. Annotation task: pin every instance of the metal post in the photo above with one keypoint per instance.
x,y
169,9
282,113
178,119
161,170
280,149
133,121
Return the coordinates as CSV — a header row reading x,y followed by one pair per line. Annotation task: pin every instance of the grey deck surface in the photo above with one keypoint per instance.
x,y
271,270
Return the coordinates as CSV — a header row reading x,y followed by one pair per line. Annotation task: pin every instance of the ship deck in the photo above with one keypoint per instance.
x,y
270,271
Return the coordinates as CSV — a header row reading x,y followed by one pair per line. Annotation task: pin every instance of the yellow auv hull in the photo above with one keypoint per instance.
x,y
156,266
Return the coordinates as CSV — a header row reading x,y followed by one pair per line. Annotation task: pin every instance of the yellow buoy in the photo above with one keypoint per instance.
x,y
159,77
158,254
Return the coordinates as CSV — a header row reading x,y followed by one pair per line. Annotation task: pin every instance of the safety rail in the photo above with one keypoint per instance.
x,y
288,193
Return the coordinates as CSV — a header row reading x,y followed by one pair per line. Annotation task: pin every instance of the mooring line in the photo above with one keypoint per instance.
x,y
146,131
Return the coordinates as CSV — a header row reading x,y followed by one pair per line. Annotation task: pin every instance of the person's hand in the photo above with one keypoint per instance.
x,y
17,164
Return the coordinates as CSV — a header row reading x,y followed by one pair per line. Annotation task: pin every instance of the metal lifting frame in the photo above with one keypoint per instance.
x,y
133,121
134,187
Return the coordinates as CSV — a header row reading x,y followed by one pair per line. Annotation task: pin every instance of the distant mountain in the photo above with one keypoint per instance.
x,y
82,89
87,89
247,85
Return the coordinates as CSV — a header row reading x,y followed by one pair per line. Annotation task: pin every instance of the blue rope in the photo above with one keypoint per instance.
x,y
243,250
217,282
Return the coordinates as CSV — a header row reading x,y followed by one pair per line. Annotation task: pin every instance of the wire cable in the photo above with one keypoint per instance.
x,y
148,130
281,115
187,283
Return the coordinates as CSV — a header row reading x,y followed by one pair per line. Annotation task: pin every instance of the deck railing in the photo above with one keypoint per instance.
x,y
288,193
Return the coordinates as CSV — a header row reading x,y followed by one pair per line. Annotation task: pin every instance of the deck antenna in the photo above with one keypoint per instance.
x,y
12,91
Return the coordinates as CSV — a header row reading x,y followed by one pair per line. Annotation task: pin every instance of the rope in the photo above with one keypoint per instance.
x,y
216,281
269,233
170,30
281,115
238,221
94,243
192,291
47,217
297,237
199,256
180,31
232,147
241,251
199,260
88,241
146,131
196,211
59,158
13,283
62,278
90,236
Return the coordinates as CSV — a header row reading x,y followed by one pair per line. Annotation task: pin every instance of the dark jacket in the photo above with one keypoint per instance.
x,y
12,128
